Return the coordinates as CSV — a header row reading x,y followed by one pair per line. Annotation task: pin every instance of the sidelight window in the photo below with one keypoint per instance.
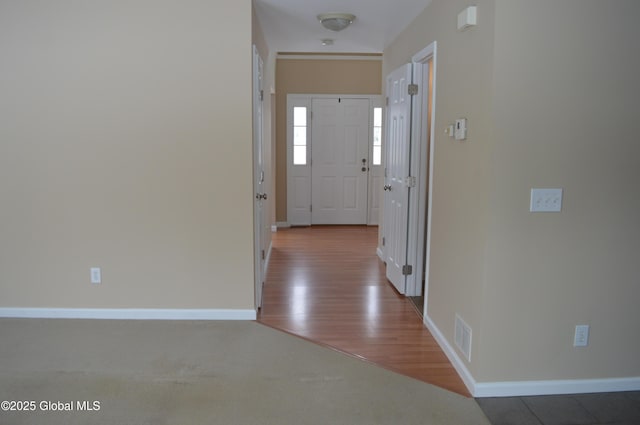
x,y
299,135
377,136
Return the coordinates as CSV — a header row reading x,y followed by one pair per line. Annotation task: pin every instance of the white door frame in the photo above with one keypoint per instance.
x,y
302,216
376,172
422,142
260,206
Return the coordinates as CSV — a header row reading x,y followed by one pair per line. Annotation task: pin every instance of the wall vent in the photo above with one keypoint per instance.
x,y
462,337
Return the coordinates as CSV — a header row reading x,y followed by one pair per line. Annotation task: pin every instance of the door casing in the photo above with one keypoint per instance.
x,y
260,205
423,138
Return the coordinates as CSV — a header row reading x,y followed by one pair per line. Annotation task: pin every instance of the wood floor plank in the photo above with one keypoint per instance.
x,y
326,284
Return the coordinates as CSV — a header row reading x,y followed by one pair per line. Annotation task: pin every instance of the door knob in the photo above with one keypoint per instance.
x,y
364,169
264,196
260,196
387,187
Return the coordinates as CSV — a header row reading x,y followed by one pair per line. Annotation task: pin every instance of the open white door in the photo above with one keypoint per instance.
x,y
340,161
258,176
397,178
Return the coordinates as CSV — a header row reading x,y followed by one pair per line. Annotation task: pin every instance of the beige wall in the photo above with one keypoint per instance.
x,y
564,99
548,89
315,76
125,145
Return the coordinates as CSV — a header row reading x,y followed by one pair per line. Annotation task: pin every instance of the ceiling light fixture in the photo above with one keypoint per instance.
x,y
336,21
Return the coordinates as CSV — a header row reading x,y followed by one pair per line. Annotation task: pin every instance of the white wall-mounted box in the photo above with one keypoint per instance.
x,y
468,18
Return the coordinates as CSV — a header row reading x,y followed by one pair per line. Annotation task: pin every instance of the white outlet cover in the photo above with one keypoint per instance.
x,y
546,200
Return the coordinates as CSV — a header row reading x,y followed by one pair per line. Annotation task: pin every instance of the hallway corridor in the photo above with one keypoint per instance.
x,y
327,285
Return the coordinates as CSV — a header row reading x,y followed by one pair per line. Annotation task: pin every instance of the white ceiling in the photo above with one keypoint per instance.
x,y
292,25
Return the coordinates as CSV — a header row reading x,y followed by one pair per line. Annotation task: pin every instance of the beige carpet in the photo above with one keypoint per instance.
x,y
180,373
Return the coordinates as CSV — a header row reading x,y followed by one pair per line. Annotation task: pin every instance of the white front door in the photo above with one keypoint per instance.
x,y
258,176
396,189
339,161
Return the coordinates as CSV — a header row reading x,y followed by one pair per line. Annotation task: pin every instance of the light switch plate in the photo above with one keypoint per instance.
x,y
581,337
546,200
96,275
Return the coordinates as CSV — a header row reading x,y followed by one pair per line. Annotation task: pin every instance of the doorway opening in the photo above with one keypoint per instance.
x,y
409,175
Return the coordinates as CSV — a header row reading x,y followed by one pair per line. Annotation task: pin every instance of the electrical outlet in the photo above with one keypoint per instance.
x,y
96,275
581,337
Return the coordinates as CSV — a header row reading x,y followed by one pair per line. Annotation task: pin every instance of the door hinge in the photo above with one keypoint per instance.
x,y
410,181
412,89
384,240
261,95
263,254
407,269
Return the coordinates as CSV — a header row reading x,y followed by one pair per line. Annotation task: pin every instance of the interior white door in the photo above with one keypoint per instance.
x,y
258,172
396,189
340,161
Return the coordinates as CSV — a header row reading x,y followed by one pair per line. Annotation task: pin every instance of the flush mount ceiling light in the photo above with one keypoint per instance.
x,y
336,21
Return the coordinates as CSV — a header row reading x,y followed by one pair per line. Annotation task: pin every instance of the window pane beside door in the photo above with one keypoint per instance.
x,y
299,135
377,136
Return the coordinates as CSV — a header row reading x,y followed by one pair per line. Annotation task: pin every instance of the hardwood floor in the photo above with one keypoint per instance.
x,y
326,284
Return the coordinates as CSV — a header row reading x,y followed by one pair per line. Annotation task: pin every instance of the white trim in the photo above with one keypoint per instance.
x,y
452,355
375,170
274,228
129,313
421,141
527,388
298,216
569,386
259,183
380,253
432,144
332,57
282,225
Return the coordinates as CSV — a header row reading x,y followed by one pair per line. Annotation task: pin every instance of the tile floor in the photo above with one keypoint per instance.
x,y
621,408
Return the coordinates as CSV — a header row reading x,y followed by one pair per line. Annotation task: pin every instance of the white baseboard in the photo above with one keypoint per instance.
x,y
274,228
452,355
380,254
528,388
551,387
128,313
283,225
